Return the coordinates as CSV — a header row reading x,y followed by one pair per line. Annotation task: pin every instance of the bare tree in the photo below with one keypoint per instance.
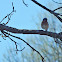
x,y
6,29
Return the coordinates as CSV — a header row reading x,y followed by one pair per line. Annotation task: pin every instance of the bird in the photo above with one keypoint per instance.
x,y
44,24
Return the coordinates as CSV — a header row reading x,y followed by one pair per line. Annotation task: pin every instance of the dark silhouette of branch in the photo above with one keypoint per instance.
x,y
8,15
52,12
60,14
57,41
26,43
57,8
16,45
13,41
20,50
56,2
24,31
13,8
25,3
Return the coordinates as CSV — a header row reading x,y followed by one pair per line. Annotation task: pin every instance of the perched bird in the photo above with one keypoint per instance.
x,y
45,24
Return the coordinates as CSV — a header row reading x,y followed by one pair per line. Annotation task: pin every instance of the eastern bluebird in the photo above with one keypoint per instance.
x,y
45,24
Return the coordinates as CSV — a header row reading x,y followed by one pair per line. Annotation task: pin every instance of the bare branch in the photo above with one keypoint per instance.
x,y
13,7
57,41
52,12
25,3
56,2
57,8
24,31
26,43
8,15
20,50
13,41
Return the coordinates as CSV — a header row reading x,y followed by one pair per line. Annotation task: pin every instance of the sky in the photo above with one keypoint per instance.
x,y
23,18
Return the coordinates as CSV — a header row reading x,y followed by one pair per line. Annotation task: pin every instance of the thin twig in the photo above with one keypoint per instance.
x,y
56,2
20,50
13,41
8,15
25,3
57,9
57,41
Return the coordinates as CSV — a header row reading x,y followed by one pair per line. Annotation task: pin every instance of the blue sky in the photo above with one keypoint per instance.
x,y
23,18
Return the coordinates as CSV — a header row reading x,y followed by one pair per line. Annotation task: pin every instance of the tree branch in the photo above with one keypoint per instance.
x,y
9,15
24,31
52,12
57,8
56,2
26,43
25,3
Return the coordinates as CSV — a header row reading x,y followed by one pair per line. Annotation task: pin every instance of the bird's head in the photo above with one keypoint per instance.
x,y
45,19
